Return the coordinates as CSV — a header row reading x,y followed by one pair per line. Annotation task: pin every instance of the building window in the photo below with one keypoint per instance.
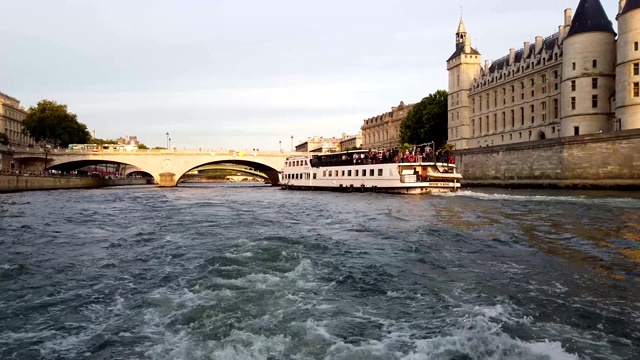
x,y
513,118
510,136
573,85
573,103
594,83
594,101
555,86
495,122
576,130
473,127
573,65
553,129
555,108
522,116
636,69
533,111
594,63
636,89
635,46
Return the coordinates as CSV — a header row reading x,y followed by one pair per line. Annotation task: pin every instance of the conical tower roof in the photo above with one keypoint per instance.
x,y
462,29
630,5
590,16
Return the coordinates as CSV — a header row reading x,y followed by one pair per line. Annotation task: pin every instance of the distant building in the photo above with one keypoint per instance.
x,y
319,144
350,141
383,131
128,140
11,116
579,80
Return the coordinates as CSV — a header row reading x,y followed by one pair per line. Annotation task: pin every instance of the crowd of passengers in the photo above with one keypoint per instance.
x,y
415,155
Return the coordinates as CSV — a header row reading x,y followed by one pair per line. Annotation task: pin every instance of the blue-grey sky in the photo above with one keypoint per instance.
x,y
247,73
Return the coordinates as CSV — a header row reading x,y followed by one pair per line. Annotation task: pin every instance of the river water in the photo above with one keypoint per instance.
x,y
253,272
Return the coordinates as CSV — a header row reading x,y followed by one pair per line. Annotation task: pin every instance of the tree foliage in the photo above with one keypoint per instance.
x,y
101,141
142,146
426,121
52,123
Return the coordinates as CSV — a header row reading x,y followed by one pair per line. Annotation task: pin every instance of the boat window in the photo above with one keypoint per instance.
x,y
357,171
324,173
379,172
314,176
364,172
372,172
342,172
349,173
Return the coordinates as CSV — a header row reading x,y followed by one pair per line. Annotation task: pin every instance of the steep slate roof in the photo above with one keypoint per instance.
x,y
460,51
590,16
630,5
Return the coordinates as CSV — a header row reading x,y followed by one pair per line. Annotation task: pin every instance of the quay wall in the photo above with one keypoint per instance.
x,y
596,161
12,183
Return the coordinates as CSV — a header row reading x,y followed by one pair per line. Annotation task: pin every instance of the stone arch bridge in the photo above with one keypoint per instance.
x,y
166,166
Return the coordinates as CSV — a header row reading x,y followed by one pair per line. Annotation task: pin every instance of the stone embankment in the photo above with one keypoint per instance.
x,y
12,183
596,161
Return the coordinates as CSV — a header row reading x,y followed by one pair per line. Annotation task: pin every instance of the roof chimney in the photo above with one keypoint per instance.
x,y
567,17
527,45
512,56
486,66
538,44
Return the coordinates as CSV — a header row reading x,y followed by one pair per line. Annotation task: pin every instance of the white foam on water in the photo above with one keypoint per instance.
x,y
241,255
237,346
610,201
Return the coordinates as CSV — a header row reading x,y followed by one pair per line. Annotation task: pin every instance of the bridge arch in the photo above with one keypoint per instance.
x,y
167,167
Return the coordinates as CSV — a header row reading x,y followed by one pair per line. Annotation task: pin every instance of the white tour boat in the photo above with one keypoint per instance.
x,y
352,171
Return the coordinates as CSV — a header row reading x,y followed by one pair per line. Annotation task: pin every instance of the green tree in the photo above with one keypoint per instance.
x,y
4,139
101,141
426,121
142,146
52,123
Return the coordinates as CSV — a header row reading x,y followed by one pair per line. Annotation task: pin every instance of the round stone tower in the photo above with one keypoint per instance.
x,y
588,71
627,67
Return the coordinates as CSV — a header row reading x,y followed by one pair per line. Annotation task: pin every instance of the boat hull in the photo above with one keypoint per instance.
x,y
413,190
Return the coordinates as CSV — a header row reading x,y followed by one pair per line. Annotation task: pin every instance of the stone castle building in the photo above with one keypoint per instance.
x,y
580,80
383,131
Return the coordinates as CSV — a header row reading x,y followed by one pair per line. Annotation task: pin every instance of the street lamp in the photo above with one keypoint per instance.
x,y
168,140
291,143
280,142
169,144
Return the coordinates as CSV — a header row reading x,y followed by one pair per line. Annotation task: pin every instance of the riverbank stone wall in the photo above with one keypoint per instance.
x,y
590,161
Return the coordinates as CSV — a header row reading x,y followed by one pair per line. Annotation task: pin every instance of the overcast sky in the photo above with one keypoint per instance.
x,y
247,73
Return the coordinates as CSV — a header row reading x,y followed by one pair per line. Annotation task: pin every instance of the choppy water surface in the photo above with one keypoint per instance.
x,y
233,272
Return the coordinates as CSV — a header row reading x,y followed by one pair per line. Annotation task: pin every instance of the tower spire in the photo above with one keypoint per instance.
x,y
461,33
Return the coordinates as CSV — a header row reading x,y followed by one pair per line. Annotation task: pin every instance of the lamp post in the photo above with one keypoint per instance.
x,y
169,143
280,142
168,140
291,143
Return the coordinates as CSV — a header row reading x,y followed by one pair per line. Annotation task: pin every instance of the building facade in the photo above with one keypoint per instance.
x,y
383,131
579,80
350,141
319,144
11,116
